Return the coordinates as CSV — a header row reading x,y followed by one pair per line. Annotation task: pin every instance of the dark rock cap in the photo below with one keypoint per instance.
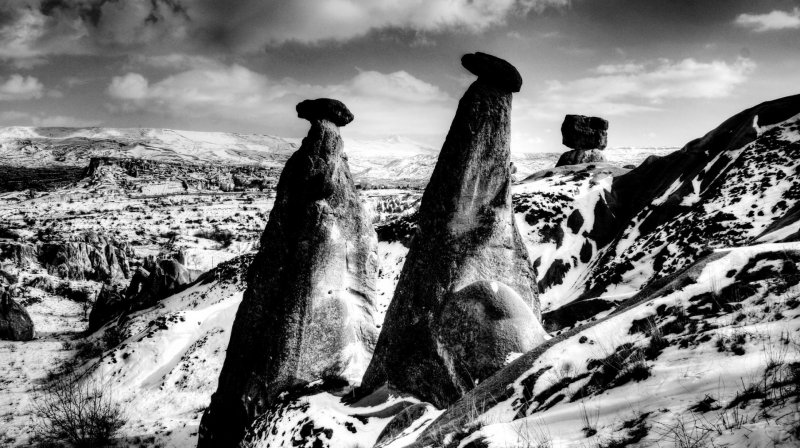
x,y
582,132
325,109
495,71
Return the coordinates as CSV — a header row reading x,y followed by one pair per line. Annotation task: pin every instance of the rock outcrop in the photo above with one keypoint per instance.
x,y
154,281
86,256
578,156
466,234
15,323
307,313
482,324
586,136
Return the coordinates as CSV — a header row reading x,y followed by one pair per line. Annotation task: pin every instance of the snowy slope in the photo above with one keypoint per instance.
x,y
712,359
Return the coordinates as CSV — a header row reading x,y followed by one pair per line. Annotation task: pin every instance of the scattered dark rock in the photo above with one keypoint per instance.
x,y
555,274
575,221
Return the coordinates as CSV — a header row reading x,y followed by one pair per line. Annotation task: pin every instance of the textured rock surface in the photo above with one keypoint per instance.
x,y
577,156
402,421
481,325
15,323
307,313
493,70
325,109
86,256
582,132
149,284
466,233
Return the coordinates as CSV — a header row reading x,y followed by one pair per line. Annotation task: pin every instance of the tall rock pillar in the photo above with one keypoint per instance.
x,y
467,265
307,313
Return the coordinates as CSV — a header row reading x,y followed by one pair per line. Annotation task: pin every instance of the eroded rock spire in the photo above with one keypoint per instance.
x,y
307,313
467,268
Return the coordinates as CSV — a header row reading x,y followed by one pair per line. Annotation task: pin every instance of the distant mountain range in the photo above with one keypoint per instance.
x,y
394,160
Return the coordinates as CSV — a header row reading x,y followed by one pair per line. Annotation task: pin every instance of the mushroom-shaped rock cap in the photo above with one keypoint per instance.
x,y
495,71
325,109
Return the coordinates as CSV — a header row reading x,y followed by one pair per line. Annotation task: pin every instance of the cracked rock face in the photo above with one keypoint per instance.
x,y
466,234
307,313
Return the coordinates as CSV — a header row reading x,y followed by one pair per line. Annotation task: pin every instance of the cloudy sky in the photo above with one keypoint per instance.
x,y
662,72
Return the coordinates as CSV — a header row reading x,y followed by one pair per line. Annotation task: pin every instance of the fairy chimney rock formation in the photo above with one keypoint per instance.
x,y
307,313
466,234
586,137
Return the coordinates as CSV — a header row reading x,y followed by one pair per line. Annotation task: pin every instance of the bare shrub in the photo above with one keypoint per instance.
x,y
81,413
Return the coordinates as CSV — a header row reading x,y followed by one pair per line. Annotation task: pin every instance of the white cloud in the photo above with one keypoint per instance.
x,y
771,21
63,121
176,61
625,89
620,89
254,23
18,118
27,36
18,87
131,86
383,103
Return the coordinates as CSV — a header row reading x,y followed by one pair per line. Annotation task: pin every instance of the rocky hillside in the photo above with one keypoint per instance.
x,y
669,292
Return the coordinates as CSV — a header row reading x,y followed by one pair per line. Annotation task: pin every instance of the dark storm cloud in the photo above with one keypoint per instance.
x,y
33,28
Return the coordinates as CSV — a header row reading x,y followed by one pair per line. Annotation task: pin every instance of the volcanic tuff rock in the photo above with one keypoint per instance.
x,y
307,313
582,132
325,109
586,136
466,234
481,324
86,256
577,156
149,284
15,323
493,70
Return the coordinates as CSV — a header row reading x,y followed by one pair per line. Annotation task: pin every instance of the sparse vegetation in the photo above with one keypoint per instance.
x,y
80,412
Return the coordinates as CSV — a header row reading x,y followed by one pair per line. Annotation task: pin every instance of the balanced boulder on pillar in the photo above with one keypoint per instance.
x,y
586,137
308,311
466,234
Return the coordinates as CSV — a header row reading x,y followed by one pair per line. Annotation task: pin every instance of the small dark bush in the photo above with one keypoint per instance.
x,y
80,413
